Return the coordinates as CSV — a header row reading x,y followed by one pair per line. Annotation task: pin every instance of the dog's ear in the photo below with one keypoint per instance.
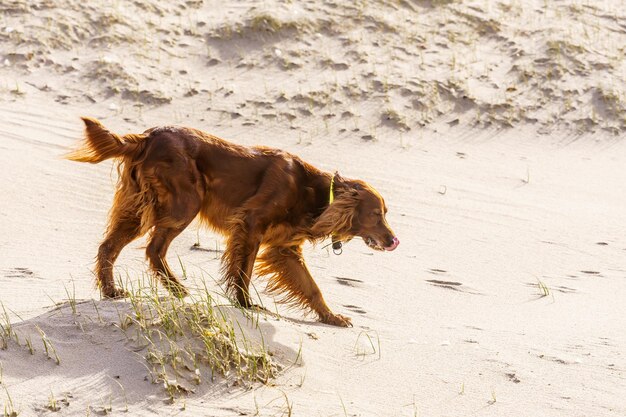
x,y
337,218
343,185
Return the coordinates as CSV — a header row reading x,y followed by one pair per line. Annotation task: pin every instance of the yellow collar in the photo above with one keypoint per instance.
x,y
337,245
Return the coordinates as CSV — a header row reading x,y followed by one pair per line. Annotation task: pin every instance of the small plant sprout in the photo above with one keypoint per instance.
x,y
362,351
29,344
302,378
543,289
6,329
95,307
493,396
288,405
298,360
123,393
48,346
9,407
71,297
53,404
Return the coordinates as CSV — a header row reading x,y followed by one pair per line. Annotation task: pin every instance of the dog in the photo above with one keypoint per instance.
x,y
259,198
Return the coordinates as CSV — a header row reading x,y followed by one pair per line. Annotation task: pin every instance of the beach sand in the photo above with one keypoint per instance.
x,y
494,131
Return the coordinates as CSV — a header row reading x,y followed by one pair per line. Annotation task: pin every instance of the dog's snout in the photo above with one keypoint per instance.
x,y
394,244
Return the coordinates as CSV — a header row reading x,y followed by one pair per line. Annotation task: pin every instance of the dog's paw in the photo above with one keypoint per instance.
x,y
114,293
257,307
336,320
179,291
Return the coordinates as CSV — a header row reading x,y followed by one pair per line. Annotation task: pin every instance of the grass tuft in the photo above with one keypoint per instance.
x,y
195,340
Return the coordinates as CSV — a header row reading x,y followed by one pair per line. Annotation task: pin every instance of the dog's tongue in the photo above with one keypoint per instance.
x,y
394,245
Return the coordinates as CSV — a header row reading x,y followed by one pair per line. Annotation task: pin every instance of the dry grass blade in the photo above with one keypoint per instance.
x,y
543,288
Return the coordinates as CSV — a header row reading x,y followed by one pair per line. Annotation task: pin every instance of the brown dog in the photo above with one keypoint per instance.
x,y
257,197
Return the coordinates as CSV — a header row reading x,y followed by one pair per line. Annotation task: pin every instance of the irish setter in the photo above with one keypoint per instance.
x,y
258,197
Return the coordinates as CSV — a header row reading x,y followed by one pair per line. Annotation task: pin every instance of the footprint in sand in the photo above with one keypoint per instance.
x,y
19,273
350,282
564,289
448,284
512,377
354,308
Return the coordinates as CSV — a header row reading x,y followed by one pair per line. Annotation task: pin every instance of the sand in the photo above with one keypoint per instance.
x,y
494,130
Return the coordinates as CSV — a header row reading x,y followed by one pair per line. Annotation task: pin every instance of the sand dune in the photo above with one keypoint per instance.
x,y
494,130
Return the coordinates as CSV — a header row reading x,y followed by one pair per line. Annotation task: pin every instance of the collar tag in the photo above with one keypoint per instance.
x,y
337,248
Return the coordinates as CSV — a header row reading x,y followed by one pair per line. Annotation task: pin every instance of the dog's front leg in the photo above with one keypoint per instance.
x,y
287,272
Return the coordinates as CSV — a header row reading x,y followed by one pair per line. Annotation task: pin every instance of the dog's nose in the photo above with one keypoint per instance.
x,y
394,244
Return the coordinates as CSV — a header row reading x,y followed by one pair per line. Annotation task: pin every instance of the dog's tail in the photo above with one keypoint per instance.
x,y
100,144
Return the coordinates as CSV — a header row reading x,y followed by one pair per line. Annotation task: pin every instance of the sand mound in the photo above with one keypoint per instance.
x,y
544,64
149,348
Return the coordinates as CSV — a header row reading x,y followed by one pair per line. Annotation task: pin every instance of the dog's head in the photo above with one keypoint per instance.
x,y
357,210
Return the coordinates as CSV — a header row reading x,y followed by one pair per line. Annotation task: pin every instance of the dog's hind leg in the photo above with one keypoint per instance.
x,y
238,260
156,252
172,217
124,227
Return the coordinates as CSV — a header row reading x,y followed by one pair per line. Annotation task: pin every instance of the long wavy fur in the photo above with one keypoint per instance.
x,y
100,144
338,217
282,280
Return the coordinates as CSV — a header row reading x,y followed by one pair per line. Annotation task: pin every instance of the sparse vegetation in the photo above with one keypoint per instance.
x,y
191,341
